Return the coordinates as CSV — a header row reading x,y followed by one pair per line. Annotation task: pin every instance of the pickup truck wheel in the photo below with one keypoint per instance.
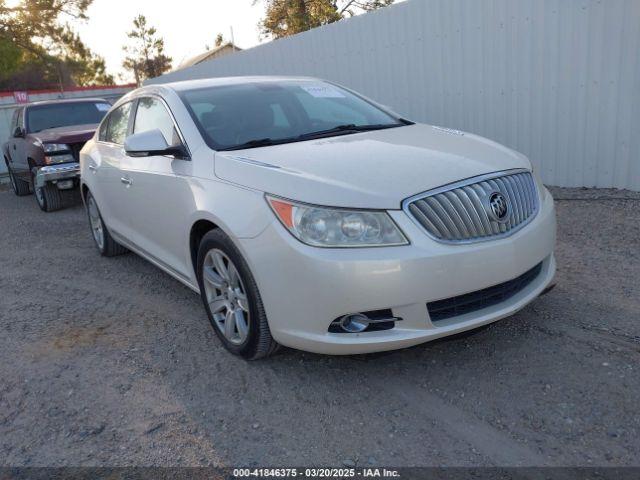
x,y
20,187
231,298
49,198
107,246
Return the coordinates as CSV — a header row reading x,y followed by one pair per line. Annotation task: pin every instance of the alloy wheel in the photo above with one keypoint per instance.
x,y
96,223
226,296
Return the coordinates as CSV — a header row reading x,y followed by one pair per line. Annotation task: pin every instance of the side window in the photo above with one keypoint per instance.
x,y
151,114
118,123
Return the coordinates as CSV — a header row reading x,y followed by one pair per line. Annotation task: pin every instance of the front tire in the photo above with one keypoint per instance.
x,y
49,198
107,246
20,187
231,298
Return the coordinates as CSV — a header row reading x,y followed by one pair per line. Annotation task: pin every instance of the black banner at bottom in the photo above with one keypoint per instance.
x,y
428,473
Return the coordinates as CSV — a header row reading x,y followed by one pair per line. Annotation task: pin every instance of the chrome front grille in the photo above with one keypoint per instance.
x,y
463,212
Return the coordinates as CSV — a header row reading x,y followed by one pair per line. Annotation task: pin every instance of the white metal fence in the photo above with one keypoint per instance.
x,y
7,105
558,80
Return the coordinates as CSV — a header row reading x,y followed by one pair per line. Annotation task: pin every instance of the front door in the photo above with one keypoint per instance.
x,y
17,157
157,191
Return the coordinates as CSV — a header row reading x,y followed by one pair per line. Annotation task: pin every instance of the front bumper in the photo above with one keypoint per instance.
x,y
304,288
55,173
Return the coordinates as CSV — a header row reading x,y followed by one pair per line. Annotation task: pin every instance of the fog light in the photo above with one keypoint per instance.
x,y
354,323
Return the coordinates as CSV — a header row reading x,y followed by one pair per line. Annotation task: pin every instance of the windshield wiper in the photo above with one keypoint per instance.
x,y
261,142
348,128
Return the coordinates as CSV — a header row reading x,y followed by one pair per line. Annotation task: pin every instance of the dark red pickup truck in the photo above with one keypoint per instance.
x,y
43,152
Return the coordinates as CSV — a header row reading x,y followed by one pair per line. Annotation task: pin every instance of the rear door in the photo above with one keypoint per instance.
x,y
105,166
159,191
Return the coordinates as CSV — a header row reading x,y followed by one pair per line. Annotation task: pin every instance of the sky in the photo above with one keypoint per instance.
x,y
187,26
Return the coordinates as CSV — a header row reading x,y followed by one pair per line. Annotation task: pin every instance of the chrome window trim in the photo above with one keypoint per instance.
x,y
463,183
132,120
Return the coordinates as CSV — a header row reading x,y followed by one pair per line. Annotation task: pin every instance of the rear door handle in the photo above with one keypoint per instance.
x,y
93,168
126,181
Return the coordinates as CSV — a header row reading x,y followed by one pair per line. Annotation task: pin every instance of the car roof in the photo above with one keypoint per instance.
x,y
65,100
223,81
186,85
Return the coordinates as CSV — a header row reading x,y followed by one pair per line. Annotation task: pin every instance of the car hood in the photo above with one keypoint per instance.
x,y
71,134
375,169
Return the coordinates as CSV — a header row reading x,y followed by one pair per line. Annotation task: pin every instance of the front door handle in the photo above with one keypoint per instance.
x,y
127,181
93,168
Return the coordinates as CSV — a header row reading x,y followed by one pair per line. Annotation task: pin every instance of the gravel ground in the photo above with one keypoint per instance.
x,y
110,362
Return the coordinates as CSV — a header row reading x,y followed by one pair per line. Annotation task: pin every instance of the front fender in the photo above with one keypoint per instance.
x,y
240,212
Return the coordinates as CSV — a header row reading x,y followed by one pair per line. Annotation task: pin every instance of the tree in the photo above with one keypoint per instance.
x,y
32,21
289,17
218,42
38,49
79,63
146,57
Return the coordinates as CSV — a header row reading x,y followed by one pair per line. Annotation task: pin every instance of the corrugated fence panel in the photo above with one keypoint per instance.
x,y
558,80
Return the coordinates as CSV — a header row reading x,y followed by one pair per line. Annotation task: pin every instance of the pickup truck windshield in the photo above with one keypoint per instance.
x,y
260,114
43,117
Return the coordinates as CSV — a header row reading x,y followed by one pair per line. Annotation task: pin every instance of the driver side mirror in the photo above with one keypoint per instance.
x,y
153,143
18,132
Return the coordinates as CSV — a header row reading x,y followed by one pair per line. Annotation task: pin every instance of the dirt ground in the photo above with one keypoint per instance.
x,y
111,362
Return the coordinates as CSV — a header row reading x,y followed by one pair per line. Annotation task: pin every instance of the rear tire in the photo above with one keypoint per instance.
x,y
107,246
49,198
253,341
20,187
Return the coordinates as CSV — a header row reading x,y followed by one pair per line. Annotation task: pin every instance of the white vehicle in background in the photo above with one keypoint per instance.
x,y
308,216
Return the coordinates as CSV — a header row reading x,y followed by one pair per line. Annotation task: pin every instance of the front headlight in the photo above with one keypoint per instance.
x,y
336,227
55,147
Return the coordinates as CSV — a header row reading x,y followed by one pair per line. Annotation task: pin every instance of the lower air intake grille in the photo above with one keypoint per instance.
x,y
471,302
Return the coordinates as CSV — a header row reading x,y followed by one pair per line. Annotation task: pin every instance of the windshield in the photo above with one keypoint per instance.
x,y
267,113
43,117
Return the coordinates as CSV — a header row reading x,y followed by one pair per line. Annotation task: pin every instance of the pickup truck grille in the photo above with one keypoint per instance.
x,y
463,212
75,150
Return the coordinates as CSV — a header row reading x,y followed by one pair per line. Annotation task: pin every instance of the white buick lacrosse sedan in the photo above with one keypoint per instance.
x,y
306,215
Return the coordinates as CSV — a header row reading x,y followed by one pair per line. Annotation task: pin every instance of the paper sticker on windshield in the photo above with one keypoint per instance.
x,y
323,91
103,107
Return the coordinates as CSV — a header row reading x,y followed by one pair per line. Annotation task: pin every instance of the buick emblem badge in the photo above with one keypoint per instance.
x,y
498,207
